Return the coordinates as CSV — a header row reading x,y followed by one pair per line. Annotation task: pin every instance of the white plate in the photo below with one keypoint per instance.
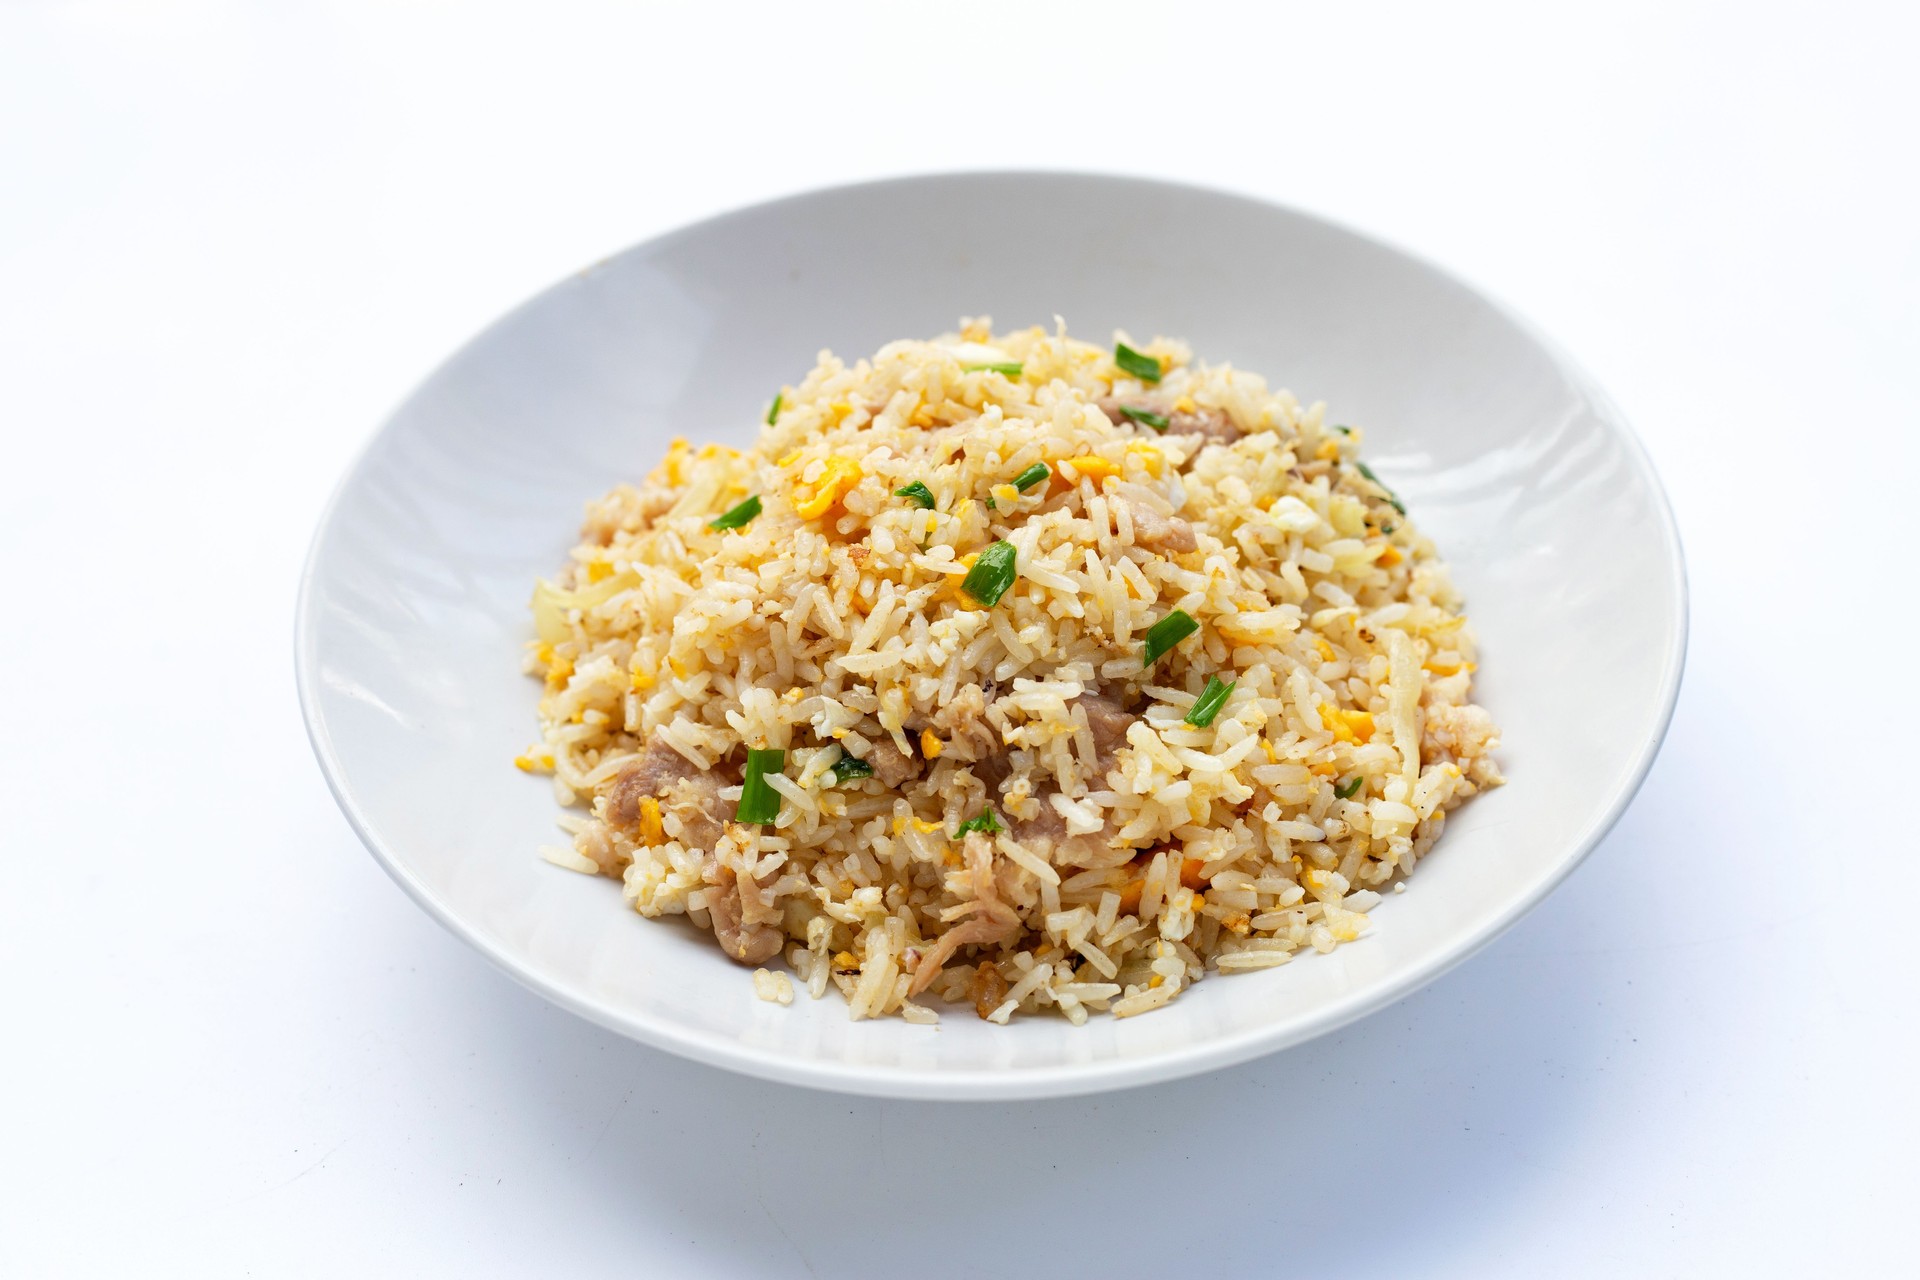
x,y
413,610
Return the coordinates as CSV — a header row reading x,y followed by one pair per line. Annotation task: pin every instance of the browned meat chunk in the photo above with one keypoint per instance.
x,y
658,767
992,770
986,989
743,931
890,764
689,795
1214,424
1157,531
694,804
1108,722
1047,830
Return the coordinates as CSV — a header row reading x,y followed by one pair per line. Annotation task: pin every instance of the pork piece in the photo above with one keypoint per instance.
x,y
1213,424
696,804
987,989
656,768
690,794
1046,829
741,924
1157,531
890,764
1107,721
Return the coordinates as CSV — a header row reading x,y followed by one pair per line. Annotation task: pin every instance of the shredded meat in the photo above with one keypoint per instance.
x,y
1213,424
742,931
890,764
689,795
993,922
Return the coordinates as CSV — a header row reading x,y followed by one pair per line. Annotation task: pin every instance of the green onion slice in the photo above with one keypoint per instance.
x,y
984,822
1143,367
1032,476
759,802
774,411
738,516
1009,369
1158,421
1346,789
1345,431
847,768
991,574
918,494
1208,704
1392,497
1165,634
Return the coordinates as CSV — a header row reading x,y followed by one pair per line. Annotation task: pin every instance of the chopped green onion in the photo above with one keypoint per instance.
x,y
1346,789
1165,634
738,516
774,412
1032,476
918,494
1367,471
1010,369
991,504
1158,421
1345,431
847,768
1144,367
759,802
991,574
1208,704
984,822
1386,529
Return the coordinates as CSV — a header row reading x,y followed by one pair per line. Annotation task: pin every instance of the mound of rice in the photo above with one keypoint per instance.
x,y
1118,844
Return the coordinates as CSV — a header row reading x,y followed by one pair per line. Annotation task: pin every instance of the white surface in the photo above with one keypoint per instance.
x,y
414,612
231,240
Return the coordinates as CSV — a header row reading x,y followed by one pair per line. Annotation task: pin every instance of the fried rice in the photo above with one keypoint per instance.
x,y
1009,672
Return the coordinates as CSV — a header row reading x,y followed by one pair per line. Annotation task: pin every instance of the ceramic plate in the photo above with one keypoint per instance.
x,y
413,609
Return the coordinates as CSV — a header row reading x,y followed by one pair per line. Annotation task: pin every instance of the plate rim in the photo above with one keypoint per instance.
x,y
1006,1084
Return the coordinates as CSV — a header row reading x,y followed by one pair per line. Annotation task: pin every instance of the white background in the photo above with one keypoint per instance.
x,y
232,237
